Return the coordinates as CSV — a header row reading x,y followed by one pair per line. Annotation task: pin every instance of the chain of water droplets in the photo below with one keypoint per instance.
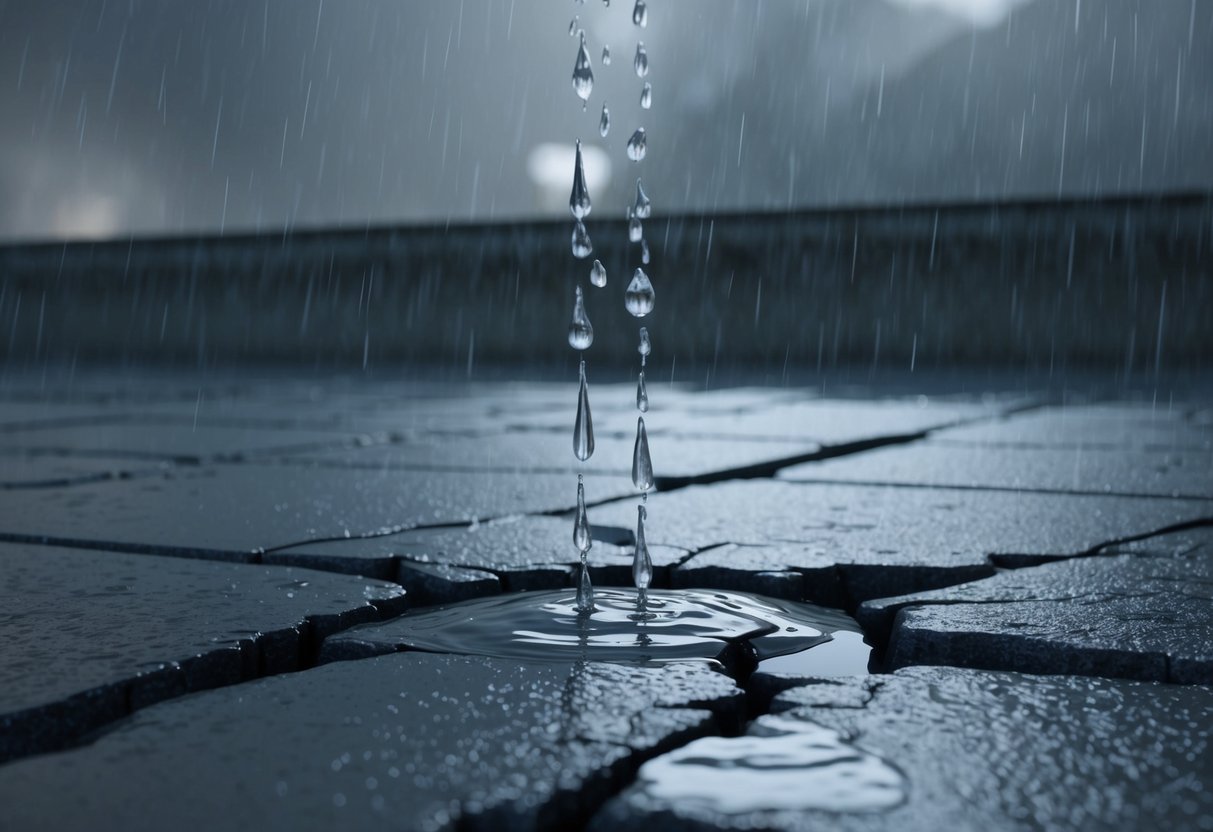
x,y
638,300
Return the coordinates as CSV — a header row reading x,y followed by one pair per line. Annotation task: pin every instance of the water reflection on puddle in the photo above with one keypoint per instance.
x,y
783,764
675,625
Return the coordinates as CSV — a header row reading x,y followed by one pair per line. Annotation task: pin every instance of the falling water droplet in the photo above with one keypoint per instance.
x,y
641,62
642,395
638,145
642,564
640,14
644,252
583,427
606,55
646,96
598,274
581,331
579,198
642,463
635,229
604,123
581,525
573,27
585,590
583,73
643,207
646,346
582,247
639,296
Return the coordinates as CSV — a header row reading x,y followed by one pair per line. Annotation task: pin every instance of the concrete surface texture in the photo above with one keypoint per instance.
x,y
196,576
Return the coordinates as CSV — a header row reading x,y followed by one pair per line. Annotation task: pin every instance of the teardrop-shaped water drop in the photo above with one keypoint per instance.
x,y
642,394
583,427
642,564
640,63
583,72
598,274
646,346
579,198
604,123
581,331
573,27
640,14
643,208
585,590
581,525
606,55
644,252
642,464
635,229
582,247
646,95
639,296
638,145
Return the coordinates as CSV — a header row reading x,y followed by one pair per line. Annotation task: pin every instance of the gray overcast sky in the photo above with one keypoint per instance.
x,y
161,116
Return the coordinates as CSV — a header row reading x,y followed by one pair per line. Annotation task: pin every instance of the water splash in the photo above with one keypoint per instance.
x,y
583,72
639,298
642,394
642,463
781,765
581,331
638,145
579,198
598,274
582,247
642,207
640,14
604,122
640,63
583,426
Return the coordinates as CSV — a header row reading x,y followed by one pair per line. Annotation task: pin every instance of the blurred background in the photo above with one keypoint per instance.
x,y
167,116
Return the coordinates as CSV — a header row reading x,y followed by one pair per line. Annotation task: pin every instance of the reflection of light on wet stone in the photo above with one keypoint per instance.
x,y
781,765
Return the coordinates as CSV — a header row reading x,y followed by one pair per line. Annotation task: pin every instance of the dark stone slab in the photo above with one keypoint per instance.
x,y
182,441
939,748
526,552
1122,616
90,636
883,540
238,511
1107,426
409,741
441,584
1172,473
19,470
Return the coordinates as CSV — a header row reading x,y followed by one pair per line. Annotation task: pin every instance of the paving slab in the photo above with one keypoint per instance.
x,y
1082,470
1107,426
939,748
526,552
19,470
239,511
409,741
1122,616
675,459
89,636
878,541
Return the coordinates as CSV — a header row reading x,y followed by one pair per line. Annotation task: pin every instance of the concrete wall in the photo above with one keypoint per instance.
x,y
1117,283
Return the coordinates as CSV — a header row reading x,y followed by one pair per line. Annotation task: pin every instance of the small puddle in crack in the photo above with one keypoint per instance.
x,y
782,764
674,626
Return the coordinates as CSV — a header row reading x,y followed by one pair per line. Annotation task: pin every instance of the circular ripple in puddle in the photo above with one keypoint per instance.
x,y
675,625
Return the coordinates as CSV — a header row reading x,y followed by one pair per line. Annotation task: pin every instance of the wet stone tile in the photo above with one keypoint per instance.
x,y
858,542
1159,473
408,741
89,635
1108,426
1123,616
526,552
939,748
19,470
237,511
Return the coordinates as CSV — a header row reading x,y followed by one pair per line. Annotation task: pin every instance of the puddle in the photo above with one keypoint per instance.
x,y
781,765
675,625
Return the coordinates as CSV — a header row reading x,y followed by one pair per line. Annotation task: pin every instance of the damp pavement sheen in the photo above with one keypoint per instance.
x,y
259,602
